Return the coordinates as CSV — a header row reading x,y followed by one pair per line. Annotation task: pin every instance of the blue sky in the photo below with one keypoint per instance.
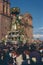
x,y
35,8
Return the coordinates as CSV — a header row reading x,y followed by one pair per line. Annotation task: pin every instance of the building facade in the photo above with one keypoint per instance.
x,y
26,20
5,18
24,25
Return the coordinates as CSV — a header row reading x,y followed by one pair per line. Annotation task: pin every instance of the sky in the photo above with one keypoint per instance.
x,y
35,8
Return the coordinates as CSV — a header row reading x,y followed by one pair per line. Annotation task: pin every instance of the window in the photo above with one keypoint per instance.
x,y
13,33
9,33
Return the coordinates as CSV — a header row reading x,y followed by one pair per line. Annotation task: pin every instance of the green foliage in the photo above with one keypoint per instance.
x,y
15,10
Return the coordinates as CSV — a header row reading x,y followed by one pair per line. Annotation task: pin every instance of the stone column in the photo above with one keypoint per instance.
x,y
1,6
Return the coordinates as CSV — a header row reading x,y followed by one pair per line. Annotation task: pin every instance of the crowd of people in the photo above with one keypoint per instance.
x,y
24,54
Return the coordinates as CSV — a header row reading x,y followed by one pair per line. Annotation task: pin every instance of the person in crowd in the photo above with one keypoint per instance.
x,y
35,55
6,56
1,57
19,58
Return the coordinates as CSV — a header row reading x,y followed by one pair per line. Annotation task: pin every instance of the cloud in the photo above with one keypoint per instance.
x,y
40,28
38,35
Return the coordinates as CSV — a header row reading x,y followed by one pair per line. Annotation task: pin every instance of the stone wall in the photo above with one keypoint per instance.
x,y
28,28
5,23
